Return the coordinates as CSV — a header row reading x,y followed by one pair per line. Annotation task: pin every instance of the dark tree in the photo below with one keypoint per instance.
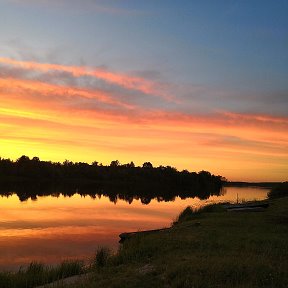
x,y
32,177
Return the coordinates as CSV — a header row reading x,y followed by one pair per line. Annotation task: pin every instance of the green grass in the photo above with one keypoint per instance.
x,y
37,274
206,248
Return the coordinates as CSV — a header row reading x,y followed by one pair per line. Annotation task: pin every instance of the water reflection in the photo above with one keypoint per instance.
x,y
113,192
59,227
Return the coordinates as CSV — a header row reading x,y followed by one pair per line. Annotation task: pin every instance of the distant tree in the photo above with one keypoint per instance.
x,y
204,174
129,165
171,169
223,179
147,165
115,163
67,163
23,159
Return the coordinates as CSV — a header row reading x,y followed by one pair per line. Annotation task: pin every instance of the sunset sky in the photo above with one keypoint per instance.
x,y
198,85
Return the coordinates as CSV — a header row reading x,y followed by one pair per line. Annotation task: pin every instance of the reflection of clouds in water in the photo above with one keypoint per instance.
x,y
26,227
19,251
241,193
52,229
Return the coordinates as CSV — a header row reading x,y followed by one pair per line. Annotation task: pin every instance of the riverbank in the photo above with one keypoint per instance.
x,y
212,248
209,248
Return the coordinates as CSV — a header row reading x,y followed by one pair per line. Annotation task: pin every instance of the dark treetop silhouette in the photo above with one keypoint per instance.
x,y
29,178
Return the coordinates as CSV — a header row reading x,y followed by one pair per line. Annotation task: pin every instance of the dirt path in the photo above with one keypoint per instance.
x,y
67,281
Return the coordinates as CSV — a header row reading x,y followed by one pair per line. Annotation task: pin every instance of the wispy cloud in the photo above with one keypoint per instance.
x,y
44,92
123,80
147,90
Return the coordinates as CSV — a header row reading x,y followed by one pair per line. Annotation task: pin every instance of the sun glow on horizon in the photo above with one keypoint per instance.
x,y
46,116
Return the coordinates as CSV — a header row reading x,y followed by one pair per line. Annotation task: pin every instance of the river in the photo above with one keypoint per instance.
x,y
50,229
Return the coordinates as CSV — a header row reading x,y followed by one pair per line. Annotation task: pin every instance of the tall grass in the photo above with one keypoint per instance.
x,y
102,256
190,213
38,274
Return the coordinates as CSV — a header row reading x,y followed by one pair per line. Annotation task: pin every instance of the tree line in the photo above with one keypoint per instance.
x,y
30,178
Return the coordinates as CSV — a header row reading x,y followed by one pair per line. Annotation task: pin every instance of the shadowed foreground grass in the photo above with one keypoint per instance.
x,y
37,274
205,248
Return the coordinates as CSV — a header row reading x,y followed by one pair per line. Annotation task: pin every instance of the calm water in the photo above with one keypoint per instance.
x,y
52,229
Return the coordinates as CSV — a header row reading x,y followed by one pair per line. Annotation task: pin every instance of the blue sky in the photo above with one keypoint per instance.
x,y
235,44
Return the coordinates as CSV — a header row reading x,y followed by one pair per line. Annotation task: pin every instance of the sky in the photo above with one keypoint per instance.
x,y
197,85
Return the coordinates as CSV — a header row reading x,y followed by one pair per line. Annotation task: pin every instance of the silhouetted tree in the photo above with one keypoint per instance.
x,y
115,163
147,165
32,177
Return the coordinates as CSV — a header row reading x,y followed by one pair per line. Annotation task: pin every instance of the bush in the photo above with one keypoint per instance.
x,y
186,214
279,191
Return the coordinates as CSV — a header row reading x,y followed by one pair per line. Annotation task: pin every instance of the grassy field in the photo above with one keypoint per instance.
x,y
207,248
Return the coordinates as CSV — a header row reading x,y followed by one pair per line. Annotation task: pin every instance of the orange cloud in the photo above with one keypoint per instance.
x,y
30,87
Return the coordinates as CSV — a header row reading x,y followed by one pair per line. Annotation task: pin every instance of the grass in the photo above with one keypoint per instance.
x,y
102,256
206,248
190,213
38,274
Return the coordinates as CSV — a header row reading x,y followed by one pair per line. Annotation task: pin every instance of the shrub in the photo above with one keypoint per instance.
x,y
185,214
279,191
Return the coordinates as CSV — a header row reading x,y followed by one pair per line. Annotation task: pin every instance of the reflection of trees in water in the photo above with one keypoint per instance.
x,y
30,179
223,191
28,191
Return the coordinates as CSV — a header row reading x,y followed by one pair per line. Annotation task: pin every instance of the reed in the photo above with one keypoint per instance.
x,y
38,274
